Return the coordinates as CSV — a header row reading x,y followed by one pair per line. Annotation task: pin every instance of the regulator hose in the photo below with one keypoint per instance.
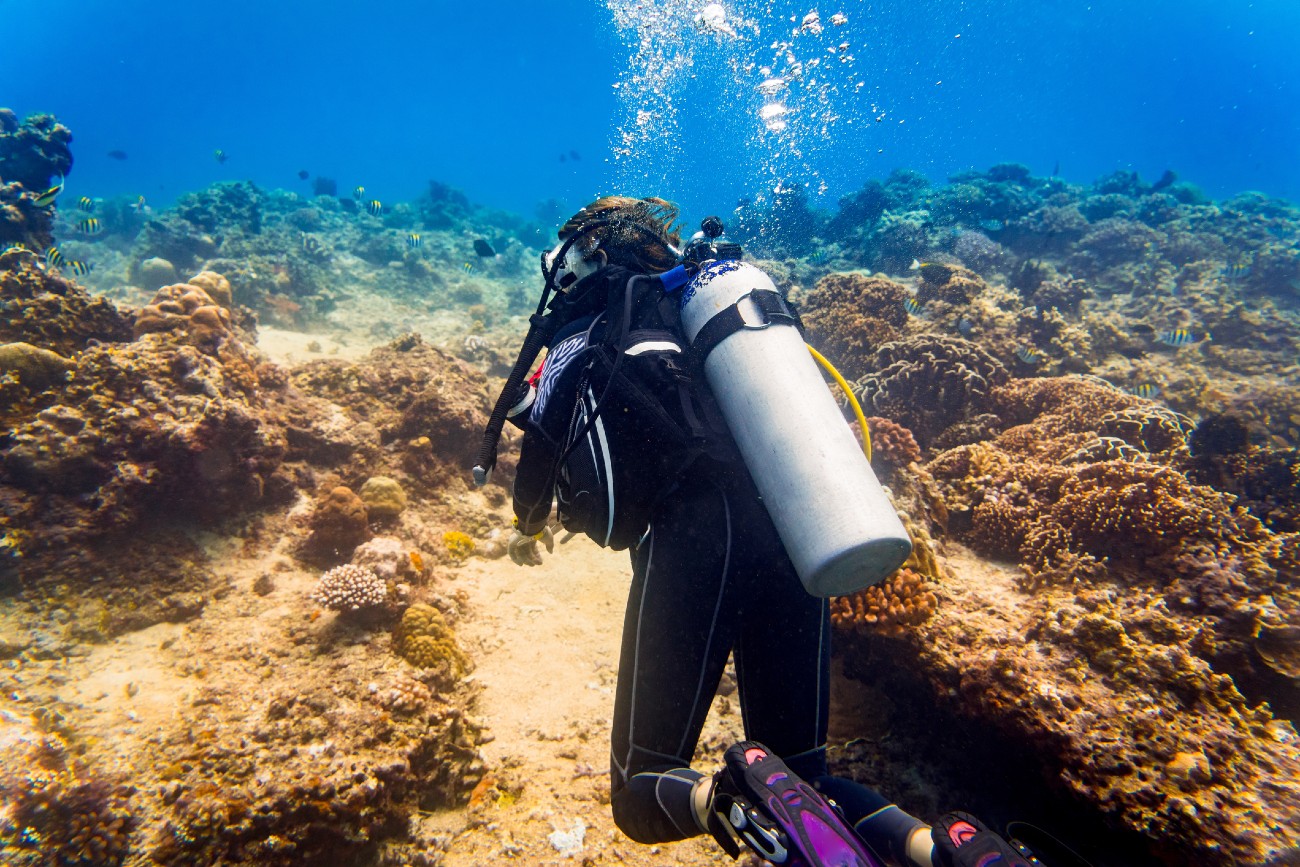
x,y
853,400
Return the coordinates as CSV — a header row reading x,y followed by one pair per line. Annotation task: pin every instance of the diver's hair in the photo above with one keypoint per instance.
x,y
622,242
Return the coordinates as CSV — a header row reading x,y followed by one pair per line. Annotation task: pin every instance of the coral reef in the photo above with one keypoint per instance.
x,y
41,308
57,810
849,316
408,390
928,383
350,588
34,152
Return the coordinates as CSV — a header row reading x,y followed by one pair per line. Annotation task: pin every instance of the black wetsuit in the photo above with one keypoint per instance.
x,y
710,576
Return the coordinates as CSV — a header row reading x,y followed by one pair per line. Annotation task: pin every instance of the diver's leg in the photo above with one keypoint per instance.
x,y
679,629
782,650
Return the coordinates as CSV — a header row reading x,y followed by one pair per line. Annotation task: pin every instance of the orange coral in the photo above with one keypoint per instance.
x,y
889,608
891,443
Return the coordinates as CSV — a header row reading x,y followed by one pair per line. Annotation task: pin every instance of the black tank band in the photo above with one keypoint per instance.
x,y
772,310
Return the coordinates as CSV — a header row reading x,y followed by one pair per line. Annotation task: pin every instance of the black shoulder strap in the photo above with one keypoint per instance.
x,y
772,310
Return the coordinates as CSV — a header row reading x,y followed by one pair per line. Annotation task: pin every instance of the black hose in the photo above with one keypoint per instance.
x,y
541,330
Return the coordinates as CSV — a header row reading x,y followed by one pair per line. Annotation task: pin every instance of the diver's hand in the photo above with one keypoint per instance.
x,y
523,549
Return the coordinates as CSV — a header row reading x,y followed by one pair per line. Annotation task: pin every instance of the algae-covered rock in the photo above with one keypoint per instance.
x,y
155,273
37,368
384,497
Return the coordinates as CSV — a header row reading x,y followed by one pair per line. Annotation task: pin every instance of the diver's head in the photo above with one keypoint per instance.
x,y
637,234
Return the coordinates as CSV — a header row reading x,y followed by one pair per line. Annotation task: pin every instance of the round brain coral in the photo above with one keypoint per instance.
x,y
425,639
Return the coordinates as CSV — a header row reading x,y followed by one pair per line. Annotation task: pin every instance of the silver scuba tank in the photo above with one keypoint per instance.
x,y
834,518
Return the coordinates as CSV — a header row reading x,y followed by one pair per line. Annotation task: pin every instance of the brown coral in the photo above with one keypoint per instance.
x,y
929,382
184,307
338,525
849,316
42,308
951,284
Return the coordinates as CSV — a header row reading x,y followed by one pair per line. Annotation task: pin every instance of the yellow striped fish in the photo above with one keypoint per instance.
x,y
47,198
86,203
468,267
413,240
81,269
1181,337
1146,390
358,193
1027,354
54,256
375,207
90,226
914,307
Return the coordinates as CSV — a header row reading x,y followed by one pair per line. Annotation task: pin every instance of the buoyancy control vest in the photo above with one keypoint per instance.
x,y
619,405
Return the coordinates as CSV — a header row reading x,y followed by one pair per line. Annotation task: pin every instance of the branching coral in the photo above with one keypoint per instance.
x,y
929,382
350,588
889,608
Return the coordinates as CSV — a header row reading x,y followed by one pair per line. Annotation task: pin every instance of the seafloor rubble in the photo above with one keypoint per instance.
x,y
1084,398
158,431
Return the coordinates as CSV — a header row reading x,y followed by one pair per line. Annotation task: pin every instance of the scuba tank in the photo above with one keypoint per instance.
x,y
834,518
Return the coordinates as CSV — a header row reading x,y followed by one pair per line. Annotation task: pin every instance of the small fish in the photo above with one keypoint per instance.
x,y
1180,337
413,240
916,265
1146,390
86,203
219,155
914,307
47,198
817,257
575,156
468,267
358,193
1236,271
483,248
54,256
15,247
965,326
375,207
303,175
1027,354
140,204
116,155
90,226
81,269
310,245
992,225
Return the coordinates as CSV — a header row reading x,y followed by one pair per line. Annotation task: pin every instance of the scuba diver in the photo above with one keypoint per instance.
x,y
639,449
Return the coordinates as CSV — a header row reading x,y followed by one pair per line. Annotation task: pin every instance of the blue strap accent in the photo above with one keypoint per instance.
x,y
674,279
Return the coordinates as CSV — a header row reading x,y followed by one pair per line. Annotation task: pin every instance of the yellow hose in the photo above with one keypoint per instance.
x,y
853,401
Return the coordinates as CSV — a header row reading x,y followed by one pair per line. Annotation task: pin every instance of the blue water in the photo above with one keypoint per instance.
x,y
487,97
